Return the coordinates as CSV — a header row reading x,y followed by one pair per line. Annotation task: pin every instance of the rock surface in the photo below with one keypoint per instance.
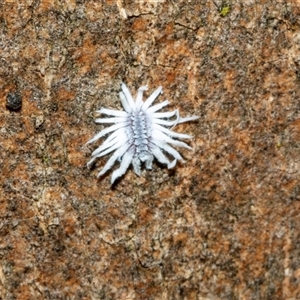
x,y
224,225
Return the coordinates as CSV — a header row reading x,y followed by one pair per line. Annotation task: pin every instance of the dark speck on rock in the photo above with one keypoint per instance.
x,y
13,101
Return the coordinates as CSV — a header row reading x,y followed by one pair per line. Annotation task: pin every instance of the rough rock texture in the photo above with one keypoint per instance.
x,y
225,225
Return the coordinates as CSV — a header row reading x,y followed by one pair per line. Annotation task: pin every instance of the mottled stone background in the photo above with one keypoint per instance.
x,y
224,225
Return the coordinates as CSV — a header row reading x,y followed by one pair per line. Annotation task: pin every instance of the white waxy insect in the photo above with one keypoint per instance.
x,y
139,133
